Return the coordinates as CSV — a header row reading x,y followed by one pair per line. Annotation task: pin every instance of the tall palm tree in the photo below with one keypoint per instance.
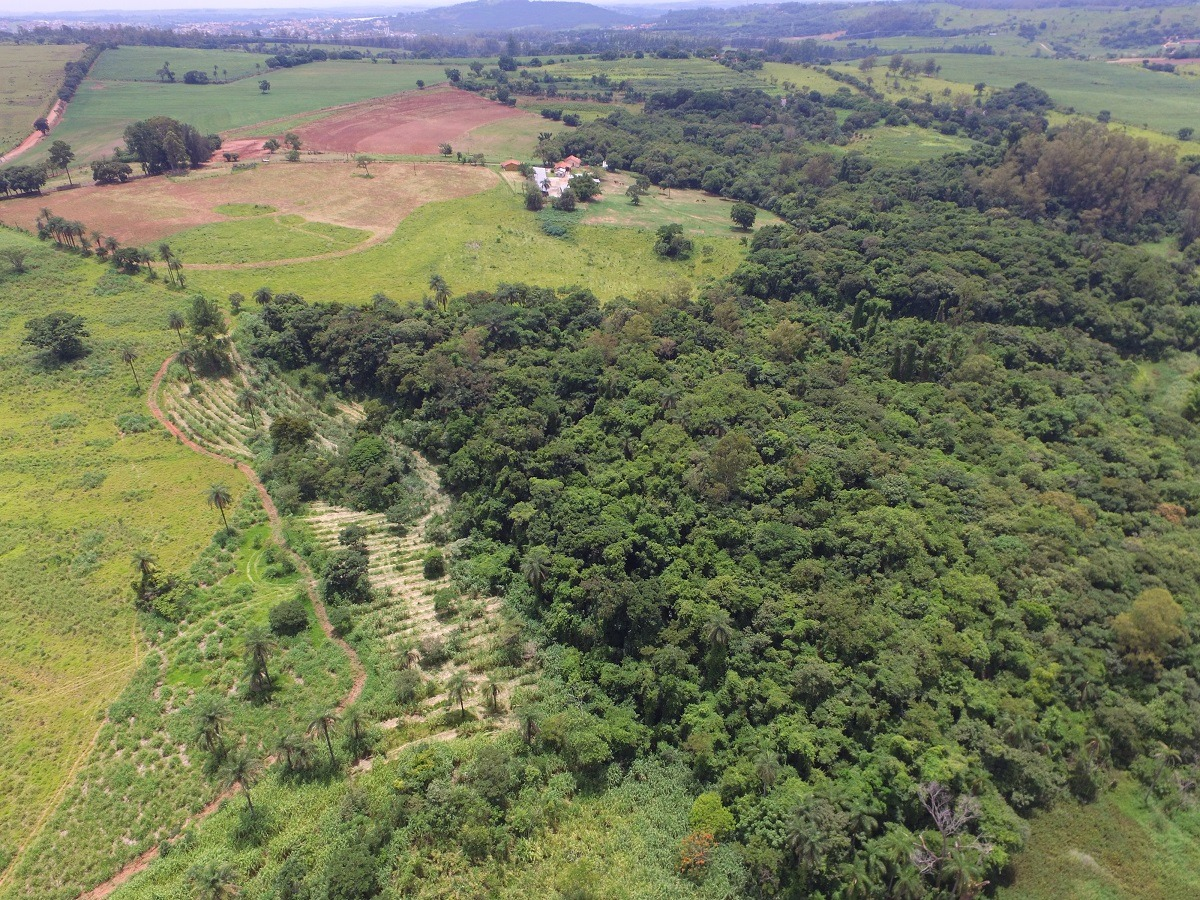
x,y
441,290
718,629
165,254
176,322
219,496
242,770
187,357
322,723
258,646
128,357
209,718
458,688
492,691
145,565
287,748
247,401
536,566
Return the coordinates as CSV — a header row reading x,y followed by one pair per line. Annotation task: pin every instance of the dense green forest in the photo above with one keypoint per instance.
x,y
882,538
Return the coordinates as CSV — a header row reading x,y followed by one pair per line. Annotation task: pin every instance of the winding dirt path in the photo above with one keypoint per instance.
x,y
139,864
56,113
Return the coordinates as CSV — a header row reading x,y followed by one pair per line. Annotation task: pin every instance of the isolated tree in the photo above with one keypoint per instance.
x,y
219,496
292,140
247,401
59,335
186,358
128,356
441,290
322,723
293,156
210,881
264,86
16,257
61,157
491,691
534,201
257,647
175,322
445,150
420,84
242,770
271,145
42,124
458,688
146,567
208,721
364,163
634,193
743,215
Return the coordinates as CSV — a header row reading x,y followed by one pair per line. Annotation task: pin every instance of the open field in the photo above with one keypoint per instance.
x,y
647,75
413,123
79,493
97,117
479,241
335,193
30,74
143,63
1154,100
1117,848
701,215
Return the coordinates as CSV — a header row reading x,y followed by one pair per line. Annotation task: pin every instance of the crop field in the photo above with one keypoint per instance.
x,y
479,241
334,193
86,478
30,74
143,63
101,109
412,123
648,75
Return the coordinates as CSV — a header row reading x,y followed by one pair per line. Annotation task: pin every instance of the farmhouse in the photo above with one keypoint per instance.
x,y
510,165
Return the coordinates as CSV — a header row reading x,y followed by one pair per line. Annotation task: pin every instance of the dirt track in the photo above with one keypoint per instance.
x,y
56,113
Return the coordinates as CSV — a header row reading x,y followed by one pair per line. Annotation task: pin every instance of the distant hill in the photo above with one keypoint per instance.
x,y
492,15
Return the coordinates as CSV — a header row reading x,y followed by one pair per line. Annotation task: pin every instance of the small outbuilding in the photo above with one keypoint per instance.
x,y
510,165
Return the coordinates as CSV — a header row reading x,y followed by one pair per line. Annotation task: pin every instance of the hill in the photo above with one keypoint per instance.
x,y
487,15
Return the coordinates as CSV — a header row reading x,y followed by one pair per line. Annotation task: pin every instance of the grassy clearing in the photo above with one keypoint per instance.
x,y
1114,849
1151,100
148,773
648,75
804,77
910,144
30,75
479,241
101,109
702,215
142,63
264,237
77,496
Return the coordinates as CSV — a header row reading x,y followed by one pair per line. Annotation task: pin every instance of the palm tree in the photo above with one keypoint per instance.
x,y
258,646
209,718
1165,756
186,357
145,565
718,629
176,322
492,690
262,295
247,401
288,748
766,767
441,290
242,769
458,688
322,723
128,357
219,496
165,254
536,566
212,882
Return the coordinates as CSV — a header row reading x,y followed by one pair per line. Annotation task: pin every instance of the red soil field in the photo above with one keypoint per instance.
x,y
413,123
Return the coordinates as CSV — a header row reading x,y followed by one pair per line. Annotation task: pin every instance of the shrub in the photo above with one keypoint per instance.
x,y
434,566
289,617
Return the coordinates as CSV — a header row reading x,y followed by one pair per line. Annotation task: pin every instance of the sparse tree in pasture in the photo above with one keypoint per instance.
x,y
743,215
458,688
364,163
322,723
264,86
210,881
219,496
208,722
175,322
16,258
128,356
61,156
242,770
59,335
257,647
441,290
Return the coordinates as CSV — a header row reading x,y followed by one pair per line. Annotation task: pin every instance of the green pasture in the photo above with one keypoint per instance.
x,y
477,242
148,773
909,144
142,63
1117,848
264,237
30,75
649,75
1153,100
86,478
96,118
701,215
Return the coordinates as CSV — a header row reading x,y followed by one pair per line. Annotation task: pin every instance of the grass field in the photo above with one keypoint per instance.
x,y
1117,848
258,238
702,215
142,63
30,75
1153,100
78,494
101,109
649,75
479,241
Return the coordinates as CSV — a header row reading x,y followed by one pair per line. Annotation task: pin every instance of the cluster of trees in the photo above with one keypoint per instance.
x,y
162,144
849,531
22,180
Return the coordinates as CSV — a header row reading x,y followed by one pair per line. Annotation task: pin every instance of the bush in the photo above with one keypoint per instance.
x,y
341,621
289,617
434,566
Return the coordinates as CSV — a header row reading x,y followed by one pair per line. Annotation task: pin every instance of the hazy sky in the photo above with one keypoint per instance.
x,y
43,7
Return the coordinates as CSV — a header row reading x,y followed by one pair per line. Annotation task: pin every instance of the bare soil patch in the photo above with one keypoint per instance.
x,y
150,209
411,123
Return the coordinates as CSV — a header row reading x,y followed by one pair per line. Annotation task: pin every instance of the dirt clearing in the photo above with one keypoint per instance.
x,y
150,209
415,122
